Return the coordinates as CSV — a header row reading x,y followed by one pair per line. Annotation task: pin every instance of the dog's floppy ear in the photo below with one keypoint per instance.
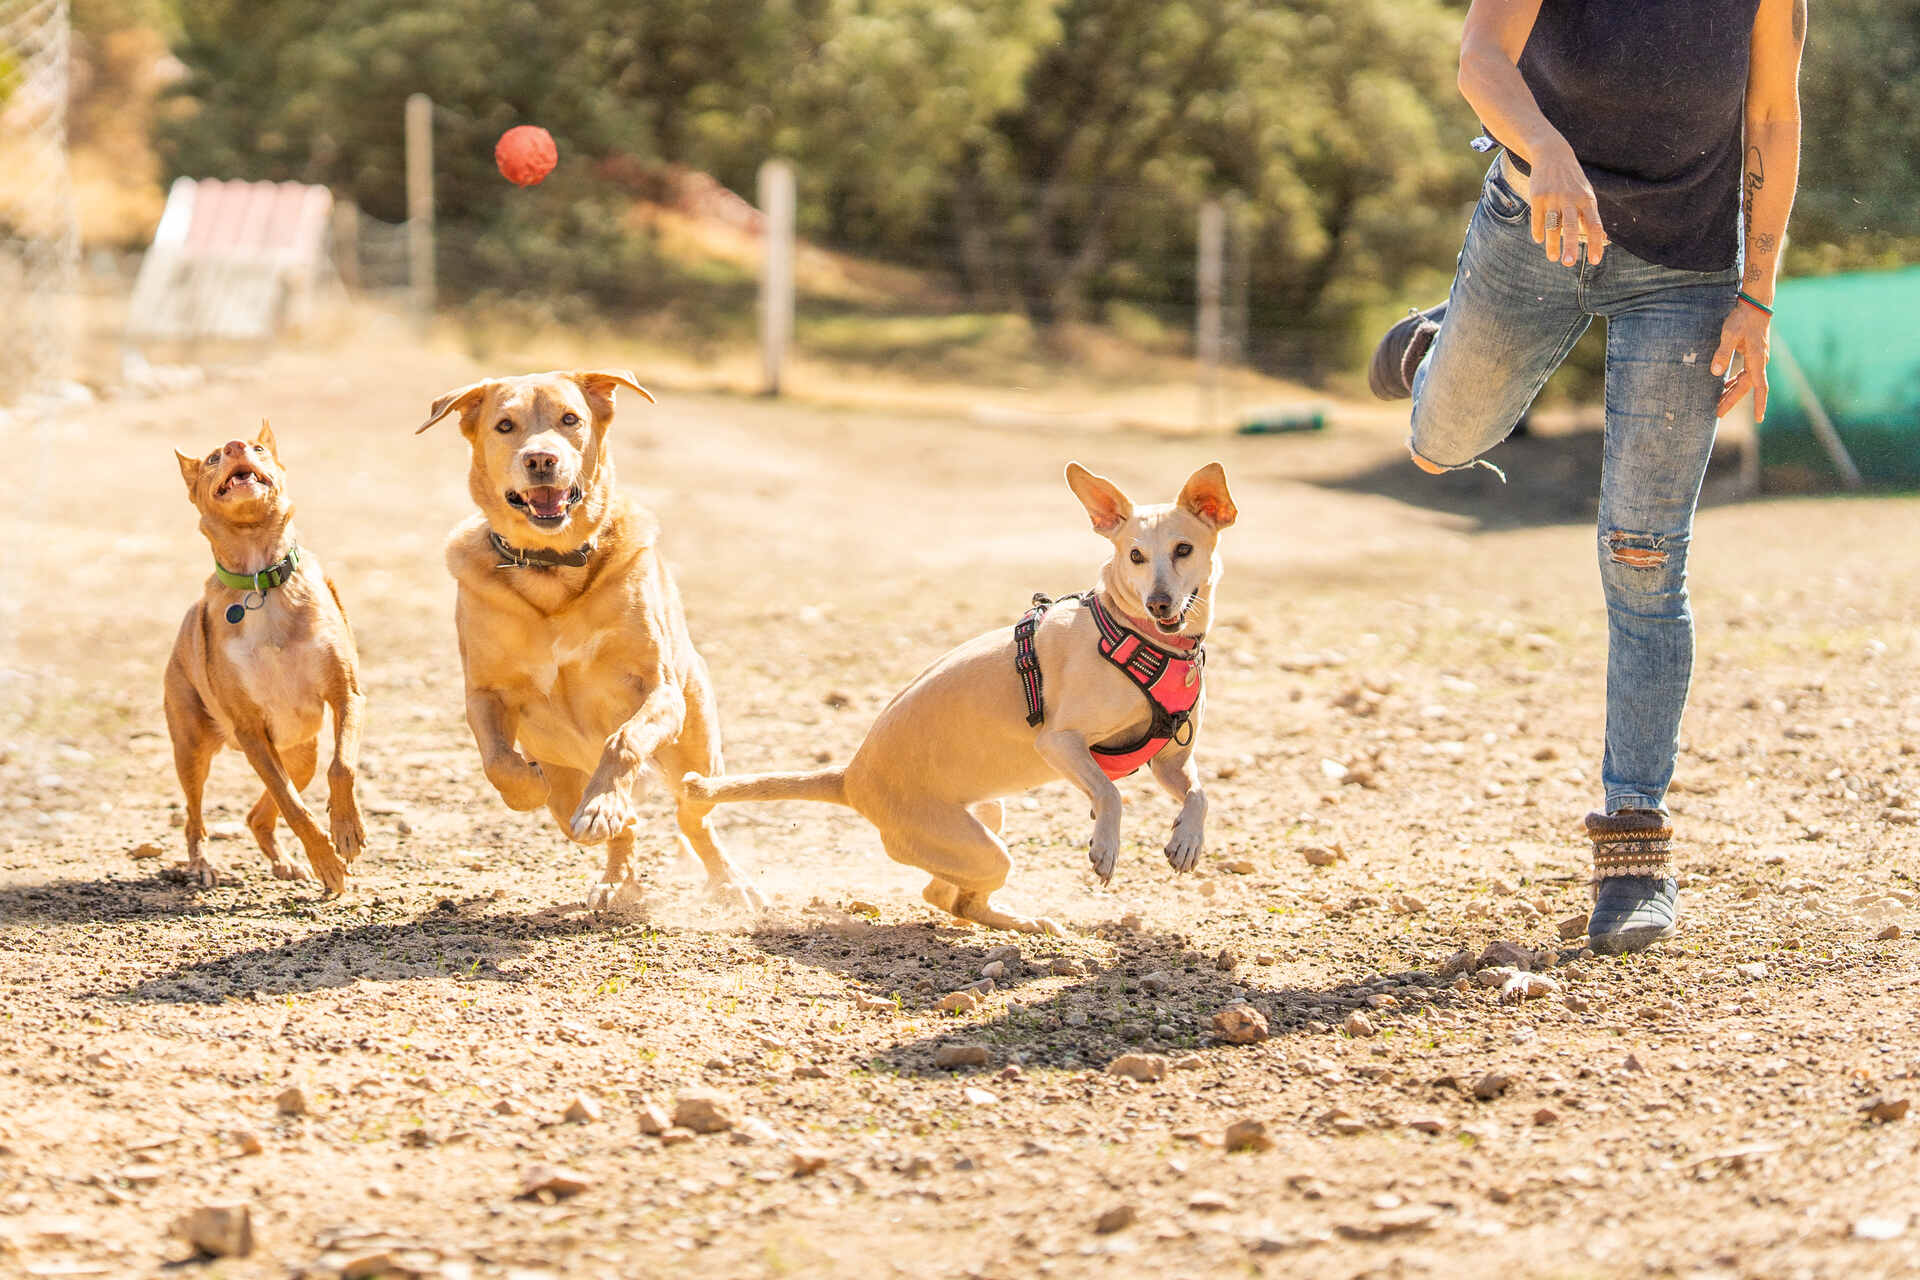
x,y
462,399
1106,506
600,385
265,439
1205,495
189,470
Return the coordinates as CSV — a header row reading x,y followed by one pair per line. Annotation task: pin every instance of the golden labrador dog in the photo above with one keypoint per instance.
x,y
259,658
1088,689
581,677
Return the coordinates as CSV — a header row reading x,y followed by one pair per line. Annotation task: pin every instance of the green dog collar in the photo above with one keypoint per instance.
x,y
256,585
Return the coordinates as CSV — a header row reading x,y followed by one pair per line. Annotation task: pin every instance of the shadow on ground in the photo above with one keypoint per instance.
x,y
1154,996
108,900
1550,479
438,944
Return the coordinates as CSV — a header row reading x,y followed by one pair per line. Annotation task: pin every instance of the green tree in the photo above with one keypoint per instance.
x,y
1859,168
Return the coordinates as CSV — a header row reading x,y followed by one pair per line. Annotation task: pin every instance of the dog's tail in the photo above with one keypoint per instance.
x,y
828,785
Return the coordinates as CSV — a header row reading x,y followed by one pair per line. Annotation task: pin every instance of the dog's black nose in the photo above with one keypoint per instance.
x,y
1159,602
539,465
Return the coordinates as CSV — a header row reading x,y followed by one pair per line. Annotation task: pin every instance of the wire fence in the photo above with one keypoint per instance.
x,y
39,235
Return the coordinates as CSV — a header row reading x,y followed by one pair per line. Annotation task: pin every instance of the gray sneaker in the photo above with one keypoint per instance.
x,y
1401,351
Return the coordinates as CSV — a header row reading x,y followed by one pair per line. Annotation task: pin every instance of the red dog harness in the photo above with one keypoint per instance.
x,y
1168,677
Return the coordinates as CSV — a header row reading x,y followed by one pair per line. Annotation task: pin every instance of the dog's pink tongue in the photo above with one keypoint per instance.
x,y
546,501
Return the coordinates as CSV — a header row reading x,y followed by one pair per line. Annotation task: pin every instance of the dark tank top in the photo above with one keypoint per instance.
x,y
1651,96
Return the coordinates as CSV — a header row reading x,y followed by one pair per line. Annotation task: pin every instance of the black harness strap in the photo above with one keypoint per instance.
x,y
1026,661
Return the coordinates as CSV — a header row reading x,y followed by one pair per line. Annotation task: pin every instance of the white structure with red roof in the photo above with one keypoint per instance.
x,y
231,260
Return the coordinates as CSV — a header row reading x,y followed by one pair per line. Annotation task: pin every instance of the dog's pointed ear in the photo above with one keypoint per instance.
x,y
461,399
265,439
1205,495
601,384
189,470
1106,506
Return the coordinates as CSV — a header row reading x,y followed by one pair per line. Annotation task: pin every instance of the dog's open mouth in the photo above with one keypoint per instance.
x,y
246,481
545,505
1174,622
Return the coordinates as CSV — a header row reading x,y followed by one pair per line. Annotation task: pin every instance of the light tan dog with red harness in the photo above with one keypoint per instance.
x,y
581,677
1087,688
259,659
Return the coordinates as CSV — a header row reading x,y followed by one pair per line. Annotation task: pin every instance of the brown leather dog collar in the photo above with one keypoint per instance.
x,y
512,557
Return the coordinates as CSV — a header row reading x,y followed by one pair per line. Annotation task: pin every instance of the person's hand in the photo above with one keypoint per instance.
x,y
1564,206
1744,334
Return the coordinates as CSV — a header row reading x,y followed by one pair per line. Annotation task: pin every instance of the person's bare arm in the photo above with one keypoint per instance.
x,y
1771,175
1495,34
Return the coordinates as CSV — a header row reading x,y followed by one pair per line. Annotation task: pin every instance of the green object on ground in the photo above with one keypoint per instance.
x,y
1278,422
1857,340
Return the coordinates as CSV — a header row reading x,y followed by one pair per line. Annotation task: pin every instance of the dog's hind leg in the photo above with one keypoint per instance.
x,y
946,895
301,762
697,750
966,860
196,740
616,884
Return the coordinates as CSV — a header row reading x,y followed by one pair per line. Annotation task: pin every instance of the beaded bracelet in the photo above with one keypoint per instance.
x,y
1754,302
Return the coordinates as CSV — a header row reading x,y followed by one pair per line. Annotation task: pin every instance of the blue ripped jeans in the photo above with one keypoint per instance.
x,y
1511,318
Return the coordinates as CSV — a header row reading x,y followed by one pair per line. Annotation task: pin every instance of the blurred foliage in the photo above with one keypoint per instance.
x,y
1049,155
1859,201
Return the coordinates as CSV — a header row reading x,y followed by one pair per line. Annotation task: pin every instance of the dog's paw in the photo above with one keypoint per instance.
x,y
1183,850
196,872
1105,856
1051,927
285,870
1103,851
602,817
327,868
520,783
349,835
612,895
737,893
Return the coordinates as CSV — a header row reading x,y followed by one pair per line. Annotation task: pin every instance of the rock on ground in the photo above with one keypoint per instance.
x,y
218,1230
1144,1067
1240,1024
704,1111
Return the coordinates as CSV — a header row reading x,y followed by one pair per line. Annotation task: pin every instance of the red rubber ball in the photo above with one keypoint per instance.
x,y
525,154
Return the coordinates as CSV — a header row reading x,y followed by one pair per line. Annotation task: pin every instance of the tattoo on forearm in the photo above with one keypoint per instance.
x,y
1756,179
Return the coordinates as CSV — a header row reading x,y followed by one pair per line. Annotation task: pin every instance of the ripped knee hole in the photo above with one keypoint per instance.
x,y
1636,550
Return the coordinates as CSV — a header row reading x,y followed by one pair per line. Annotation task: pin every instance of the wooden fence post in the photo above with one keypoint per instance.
x,y
1207,326
776,271
420,268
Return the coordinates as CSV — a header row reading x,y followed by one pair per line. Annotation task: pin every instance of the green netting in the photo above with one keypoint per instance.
x,y
1857,337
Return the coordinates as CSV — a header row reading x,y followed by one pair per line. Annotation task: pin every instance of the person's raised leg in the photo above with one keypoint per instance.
x,y
1661,397
1511,318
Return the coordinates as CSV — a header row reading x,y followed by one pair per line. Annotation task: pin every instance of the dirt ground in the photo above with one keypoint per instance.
x,y
1405,672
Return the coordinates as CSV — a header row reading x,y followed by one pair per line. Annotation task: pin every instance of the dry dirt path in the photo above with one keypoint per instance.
x,y
1696,1111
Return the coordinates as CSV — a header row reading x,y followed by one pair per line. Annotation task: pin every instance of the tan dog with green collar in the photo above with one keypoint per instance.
x,y
259,658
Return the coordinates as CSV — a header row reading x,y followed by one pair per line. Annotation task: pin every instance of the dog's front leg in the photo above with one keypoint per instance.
x,y
343,805
1173,769
517,779
265,759
1067,751
607,807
